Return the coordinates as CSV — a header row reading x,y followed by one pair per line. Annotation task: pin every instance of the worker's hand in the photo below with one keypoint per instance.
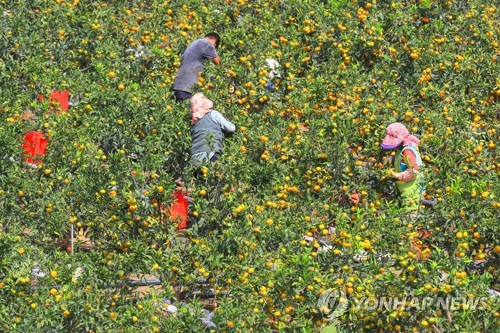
x,y
391,174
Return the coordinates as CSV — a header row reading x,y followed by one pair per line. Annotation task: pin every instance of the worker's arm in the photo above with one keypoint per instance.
x,y
209,52
225,125
411,173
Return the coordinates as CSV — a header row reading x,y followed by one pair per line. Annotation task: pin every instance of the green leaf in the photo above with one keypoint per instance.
x,y
329,329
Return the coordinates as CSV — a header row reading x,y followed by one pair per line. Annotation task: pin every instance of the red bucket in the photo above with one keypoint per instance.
x,y
59,100
179,210
35,144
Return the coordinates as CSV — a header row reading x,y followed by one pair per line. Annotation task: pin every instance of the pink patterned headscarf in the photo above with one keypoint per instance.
x,y
397,134
200,106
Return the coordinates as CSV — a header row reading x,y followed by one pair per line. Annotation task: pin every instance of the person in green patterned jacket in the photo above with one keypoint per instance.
x,y
408,167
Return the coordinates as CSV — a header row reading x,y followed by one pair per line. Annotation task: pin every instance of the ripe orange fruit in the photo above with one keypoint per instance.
x,y
121,87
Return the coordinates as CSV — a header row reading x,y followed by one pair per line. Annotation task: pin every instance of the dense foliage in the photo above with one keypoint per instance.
x,y
348,69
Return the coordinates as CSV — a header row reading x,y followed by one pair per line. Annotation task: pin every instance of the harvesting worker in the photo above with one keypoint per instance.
x,y
408,168
208,127
192,64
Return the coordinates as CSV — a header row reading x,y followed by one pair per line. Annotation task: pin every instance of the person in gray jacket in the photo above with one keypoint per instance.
x,y
192,64
208,127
